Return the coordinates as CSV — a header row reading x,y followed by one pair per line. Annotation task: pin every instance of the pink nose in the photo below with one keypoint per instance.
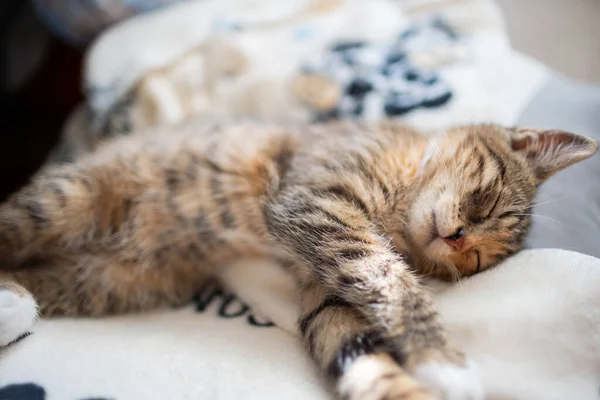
x,y
456,241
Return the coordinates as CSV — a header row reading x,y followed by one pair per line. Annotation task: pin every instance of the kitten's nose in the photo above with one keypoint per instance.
x,y
456,241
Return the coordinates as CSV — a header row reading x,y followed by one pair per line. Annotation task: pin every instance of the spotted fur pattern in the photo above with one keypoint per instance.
x,y
355,212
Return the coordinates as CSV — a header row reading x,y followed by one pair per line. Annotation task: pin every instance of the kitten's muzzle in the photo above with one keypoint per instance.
x,y
457,240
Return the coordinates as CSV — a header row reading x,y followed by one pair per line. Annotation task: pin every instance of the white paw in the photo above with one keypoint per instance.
x,y
451,382
378,377
17,315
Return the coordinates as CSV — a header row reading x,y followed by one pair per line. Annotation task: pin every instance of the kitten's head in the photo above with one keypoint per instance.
x,y
479,185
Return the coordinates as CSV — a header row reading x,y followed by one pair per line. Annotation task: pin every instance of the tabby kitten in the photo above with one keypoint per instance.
x,y
355,212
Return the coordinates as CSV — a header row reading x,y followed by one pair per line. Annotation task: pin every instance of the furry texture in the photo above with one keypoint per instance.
x,y
356,213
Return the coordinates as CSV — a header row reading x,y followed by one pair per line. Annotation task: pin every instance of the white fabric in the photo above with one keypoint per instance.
x,y
490,82
532,325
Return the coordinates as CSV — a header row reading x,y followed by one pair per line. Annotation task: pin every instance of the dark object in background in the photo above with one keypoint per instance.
x,y
39,86
23,391
78,22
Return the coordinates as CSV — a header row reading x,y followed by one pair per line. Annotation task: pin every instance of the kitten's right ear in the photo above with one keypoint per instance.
x,y
549,151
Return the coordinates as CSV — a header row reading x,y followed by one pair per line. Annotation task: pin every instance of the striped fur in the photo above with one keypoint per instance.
x,y
355,211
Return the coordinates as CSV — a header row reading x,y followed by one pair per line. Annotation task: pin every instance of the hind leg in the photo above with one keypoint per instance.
x,y
55,205
62,208
88,286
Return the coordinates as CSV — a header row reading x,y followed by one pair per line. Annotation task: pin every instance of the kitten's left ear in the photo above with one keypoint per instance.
x,y
549,151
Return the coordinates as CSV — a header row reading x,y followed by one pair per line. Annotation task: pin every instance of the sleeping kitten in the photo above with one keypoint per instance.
x,y
355,212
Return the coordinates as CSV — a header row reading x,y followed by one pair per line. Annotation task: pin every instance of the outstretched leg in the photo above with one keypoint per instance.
x,y
352,351
367,311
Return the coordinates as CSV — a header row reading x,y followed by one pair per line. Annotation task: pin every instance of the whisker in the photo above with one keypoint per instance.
x,y
455,273
429,267
578,193
545,217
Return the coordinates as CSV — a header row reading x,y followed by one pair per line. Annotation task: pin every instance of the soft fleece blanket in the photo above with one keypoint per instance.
x,y
428,63
531,325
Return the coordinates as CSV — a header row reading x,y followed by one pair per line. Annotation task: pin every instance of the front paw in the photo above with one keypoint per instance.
x,y
378,377
450,377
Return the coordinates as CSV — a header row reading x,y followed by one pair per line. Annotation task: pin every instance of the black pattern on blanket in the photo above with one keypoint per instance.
x,y
355,79
379,80
209,298
229,305
29,391
425,63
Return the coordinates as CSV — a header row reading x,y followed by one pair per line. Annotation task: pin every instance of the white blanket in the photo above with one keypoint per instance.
x,y
532,325
245,58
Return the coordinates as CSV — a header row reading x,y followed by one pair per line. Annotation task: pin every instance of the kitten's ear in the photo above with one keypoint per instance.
x,y
549,151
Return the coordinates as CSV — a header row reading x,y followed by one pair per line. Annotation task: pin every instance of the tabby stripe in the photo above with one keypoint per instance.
x,y
353,253
477,172
59,193
205,232
315,210
346,195
222,202
330,301
172,182
127,205
283,159
481,162
320,262
384,189
195,251
348,238
332,217
321,229
349,280
489,192
359,345
498,159
36,214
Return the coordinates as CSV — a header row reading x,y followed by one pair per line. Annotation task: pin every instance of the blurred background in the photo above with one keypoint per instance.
x,y
562,34
41,59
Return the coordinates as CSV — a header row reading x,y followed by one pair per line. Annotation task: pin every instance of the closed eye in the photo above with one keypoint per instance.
x,y
495,202
507,214
479,220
